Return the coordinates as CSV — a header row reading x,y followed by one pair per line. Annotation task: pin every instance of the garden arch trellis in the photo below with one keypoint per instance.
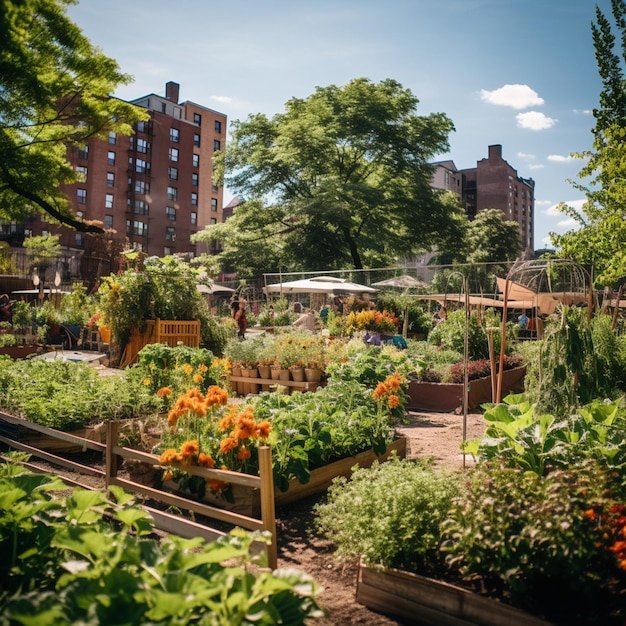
x,y
547,283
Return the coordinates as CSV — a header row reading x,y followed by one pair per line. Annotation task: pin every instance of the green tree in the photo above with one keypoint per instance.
x,y
491,238
598,242
54,95
343,175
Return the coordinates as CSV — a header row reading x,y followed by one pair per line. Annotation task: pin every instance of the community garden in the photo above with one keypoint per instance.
x,y
536,521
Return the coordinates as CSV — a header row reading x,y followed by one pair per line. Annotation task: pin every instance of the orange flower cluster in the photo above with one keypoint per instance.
x,y
189,455
612,524
194,402
388,390
376,321
241,427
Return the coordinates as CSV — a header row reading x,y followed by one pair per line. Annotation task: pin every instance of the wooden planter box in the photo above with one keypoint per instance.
x,y
427,601
446,397
19,352
322,477
247,501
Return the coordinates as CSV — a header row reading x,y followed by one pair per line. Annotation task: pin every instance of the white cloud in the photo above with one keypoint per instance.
x,y
222,99
575,204
523,155
535,166
515,96
560,158
568,224
543,202
534,120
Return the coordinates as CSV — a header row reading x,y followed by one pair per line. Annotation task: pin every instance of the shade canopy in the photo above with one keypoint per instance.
x,y
319,284
401,282
213,288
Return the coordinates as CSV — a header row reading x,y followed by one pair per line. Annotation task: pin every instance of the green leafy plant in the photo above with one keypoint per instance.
x,y
389,515
84,558
533,537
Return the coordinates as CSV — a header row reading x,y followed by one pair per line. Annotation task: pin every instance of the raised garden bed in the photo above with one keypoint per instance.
x,y
20,352
425,600
446,397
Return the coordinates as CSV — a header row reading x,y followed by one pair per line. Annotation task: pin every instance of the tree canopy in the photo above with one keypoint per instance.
x,y
340,179
599,240
54,94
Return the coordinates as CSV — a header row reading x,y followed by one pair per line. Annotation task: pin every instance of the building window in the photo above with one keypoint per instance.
x,y
80,214
174,135
214,187
213,221
28,232
112,137
142,127
170,233
81,196
216,144
79,240
83,152
111,157
172,193
213,204
170,213
218,126
197,119
142,166
108,222
194,180
195,160
172,172
110,179
194,217
141,207
140,228
143,146
196,140
167,251
108,201
140,186
194,198
82,170
174,154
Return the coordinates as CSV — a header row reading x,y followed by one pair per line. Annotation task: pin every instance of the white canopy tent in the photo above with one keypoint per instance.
x,y
318,284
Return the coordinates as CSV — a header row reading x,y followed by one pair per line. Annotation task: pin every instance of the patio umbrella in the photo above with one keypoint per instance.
x,y
402,282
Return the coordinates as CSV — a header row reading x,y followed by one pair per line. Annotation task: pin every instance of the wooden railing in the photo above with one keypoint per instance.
x,y
112,452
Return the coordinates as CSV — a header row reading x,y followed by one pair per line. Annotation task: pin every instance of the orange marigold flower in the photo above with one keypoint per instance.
x,y
216,396
189,450
393,401
216,486
228,444
206,460
244,454
263,429
226,422
168,475
187,369
590,514
198,378
202,368
243,432
164,391
168,456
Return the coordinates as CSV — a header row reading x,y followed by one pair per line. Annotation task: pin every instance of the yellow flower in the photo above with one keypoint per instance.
x,y
147,381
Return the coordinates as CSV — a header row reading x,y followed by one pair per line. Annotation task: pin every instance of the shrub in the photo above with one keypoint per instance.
x,y
389,515
537,539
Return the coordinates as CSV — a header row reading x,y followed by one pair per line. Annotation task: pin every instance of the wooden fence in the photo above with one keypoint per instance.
x,y
167,522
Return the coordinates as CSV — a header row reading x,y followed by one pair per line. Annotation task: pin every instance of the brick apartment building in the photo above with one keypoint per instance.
x,y
154,188
492,184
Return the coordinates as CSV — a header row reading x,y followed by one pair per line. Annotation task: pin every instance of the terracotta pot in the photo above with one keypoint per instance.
x,y
105,334
236,386
275,373
284,374
297,374
251,372
264,372
312,374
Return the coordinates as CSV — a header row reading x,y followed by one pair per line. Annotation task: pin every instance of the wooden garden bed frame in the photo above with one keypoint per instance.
x,y
164,521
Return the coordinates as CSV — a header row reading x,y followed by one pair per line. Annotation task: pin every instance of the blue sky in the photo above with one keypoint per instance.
x,y
520,73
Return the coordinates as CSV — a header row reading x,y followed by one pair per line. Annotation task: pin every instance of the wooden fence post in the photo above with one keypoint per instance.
x,y
268,513
112,434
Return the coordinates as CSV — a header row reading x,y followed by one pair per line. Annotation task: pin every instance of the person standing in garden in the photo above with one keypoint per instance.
x,y
241,320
